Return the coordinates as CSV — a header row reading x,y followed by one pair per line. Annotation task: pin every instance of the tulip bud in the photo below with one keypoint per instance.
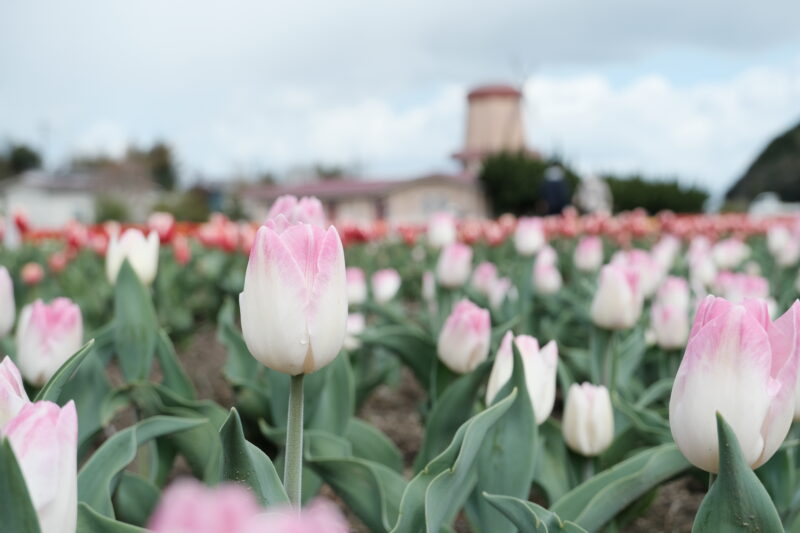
x,y
32,273
47,335
294,302
319,517
730,253
588,422
498,291
385,284
648,272
355,327
441,230
670,314
181,250
484,276
8,309
546,277
163,224
617,303
464,340
529,235
589,254
665,251
744,366
44,438
12,392
306,210
540,366
454,265
141,253
188,506
356,286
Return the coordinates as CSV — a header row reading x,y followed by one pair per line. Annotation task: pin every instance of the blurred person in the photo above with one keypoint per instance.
x,y
593,195
554,192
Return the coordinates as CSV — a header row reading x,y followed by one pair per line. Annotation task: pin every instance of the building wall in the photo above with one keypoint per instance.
x,y
355,210
494,124
417,202
49,209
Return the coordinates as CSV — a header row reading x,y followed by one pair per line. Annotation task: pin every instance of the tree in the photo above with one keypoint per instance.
x,y
630,192
18,158
162,166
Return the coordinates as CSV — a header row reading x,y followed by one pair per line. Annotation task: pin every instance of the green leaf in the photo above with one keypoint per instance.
x,y
90,521
241,367
434,496
529,517
596,501
553,472
51,391
175,378
368,442
16,508
135,499
337,401
135,324
98,478
508,456
737,501
452,409
245,463
411,344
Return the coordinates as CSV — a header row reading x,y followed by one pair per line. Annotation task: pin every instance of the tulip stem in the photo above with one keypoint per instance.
x,y
293,469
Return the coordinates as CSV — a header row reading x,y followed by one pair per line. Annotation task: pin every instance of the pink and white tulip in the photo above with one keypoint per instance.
x,y
385,284
441,230
588,256
319,517
355,327
163,224
529,236
294,302
44,438
454,265
540,367
588,421
730,253
499,291
484,276
288,210
464,340
8,308
744,366
12,392
618,301
141,253
356,286
47,335
546,277
669,317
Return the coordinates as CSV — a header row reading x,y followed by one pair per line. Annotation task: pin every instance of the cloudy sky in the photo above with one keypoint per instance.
x,y
685,88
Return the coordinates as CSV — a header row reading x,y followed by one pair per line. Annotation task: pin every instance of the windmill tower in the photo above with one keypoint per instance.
x,y
494,124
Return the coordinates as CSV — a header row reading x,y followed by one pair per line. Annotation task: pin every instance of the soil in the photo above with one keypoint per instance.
x,y
394,410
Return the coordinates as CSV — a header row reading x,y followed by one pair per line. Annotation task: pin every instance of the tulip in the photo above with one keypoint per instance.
x,y
247,236
649,272
588,255
738,287
529,235
44,438
12,393
484,276
356,286
744,366
588,421
163,224
665,251
288,210
319,517
385,284
181,250
32,273
294,302
141,253
464,340
730,253
540,366
47,335
670,314
355,327
8,308
546,277
674,291
187,506
454,265
499,290
617,303
441,230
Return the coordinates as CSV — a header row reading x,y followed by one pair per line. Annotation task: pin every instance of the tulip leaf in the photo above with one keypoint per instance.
x,y
99,477
16,508
135,499
135,324
245,463
737,501
369,442
90,521
371,490
175,378
337,401
508,455
528,517
415,347
553,472
450,411
52,389
434,496
596,501
241,368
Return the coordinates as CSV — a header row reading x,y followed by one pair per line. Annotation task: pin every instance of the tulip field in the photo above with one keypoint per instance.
x,y
568,371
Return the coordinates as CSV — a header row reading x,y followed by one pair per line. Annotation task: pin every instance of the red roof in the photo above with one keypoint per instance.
x,y
486,91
